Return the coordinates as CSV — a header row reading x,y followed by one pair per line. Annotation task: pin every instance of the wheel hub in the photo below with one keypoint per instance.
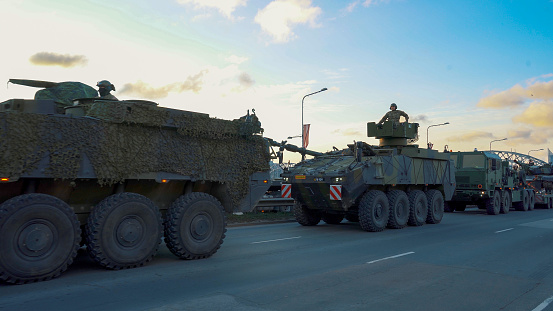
x,y
36,239
200,227
129,231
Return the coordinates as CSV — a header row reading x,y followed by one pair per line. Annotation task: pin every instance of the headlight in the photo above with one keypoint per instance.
x,y
338,179
286,179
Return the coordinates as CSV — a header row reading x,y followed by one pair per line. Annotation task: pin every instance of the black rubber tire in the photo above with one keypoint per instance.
x,y
123,231
399,209
418,208
522,205
550,203
505,202
40,238
332,219
435,206
532,199
374,211
305,216
352,217
493,204
195,226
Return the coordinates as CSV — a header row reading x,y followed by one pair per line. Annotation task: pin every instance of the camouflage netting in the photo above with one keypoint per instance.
x,y
195,145
64,93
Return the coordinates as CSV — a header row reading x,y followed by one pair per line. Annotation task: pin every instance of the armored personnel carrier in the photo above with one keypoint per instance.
x,y
390,185
117,175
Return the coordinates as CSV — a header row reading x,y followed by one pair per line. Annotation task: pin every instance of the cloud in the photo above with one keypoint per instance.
x,y
351,7
519,95
527,137
521,133
143,90
225,7
279,17
539,114
245,80
472,136
54,59
233,59
419,118
348,132
339,74
368,3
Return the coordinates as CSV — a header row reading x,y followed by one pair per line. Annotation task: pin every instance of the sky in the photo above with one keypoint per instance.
x,y
486,67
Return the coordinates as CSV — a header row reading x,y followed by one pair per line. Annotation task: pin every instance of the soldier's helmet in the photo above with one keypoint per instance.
x,y
393,105
106,85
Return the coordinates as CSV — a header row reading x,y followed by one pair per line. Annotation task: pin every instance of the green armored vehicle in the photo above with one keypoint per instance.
x,y
390,185
486,180
120,174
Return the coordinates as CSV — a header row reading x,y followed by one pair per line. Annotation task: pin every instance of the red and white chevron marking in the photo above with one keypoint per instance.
x,y
286,191
335,192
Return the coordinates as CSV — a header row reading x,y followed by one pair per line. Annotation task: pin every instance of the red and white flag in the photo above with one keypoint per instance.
x,y
305,141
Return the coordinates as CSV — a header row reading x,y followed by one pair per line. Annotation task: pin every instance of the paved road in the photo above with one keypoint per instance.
x,y
471,261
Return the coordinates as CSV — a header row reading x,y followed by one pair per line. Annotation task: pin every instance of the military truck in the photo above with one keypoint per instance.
x,y
390,185
116,175
539,178
491,183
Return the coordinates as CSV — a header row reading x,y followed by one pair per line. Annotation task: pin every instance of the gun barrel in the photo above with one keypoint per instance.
x,y
33,83
294,148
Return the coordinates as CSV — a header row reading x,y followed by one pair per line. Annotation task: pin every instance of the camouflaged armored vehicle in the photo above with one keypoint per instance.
x,y
119,174
390,185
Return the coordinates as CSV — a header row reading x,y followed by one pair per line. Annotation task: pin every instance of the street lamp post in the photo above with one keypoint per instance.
x,y
322,90
535,150
430,127
496,140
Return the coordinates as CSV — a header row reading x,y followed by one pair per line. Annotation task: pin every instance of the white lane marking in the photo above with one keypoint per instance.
x,y
504,230
544,304
267,241
391,257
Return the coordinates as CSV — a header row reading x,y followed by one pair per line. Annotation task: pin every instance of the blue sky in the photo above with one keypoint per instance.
x,y
483,66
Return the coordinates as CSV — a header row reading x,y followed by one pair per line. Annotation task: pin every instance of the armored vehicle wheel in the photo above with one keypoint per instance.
x,y
505,202
399,209
305,216
195,226
532,200
523,205
374,211
418,208
493,204
40,238
332,219
123,231
435,206
352,217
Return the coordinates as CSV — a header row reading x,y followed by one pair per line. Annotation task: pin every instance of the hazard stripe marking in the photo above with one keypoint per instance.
x,y
335,192
286,191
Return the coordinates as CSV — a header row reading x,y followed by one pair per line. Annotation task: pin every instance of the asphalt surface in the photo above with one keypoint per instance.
x,y
471,261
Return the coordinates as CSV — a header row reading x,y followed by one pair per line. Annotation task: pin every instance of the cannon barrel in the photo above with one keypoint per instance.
x,y
294,148
33,83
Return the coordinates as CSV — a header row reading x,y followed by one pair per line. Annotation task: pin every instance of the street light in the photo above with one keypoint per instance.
x,y
322,90
535,150
430,127
496,140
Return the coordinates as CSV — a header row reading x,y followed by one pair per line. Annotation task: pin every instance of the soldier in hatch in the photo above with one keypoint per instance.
x,y
393,115
104,88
